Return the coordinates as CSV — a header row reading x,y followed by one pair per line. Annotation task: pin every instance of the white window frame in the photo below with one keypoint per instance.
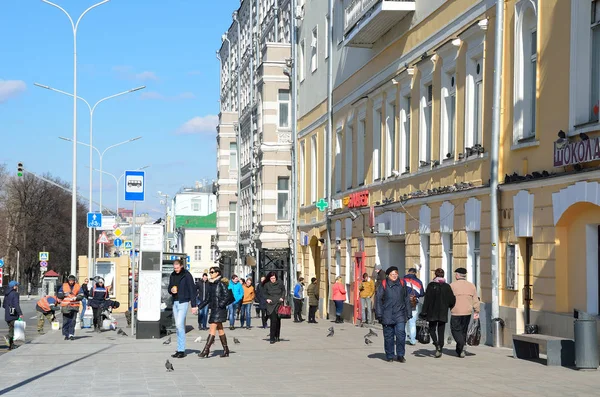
x,y
338,263
233,153
327,29
303,172
426,121
280,193
313,169
474,258
425,257
233,214
525,77
349,146
474,38
448,127
196,204
405,127
376,139
338,158
302,61
447,253
281,103
360,147
197,253
391,143
314,50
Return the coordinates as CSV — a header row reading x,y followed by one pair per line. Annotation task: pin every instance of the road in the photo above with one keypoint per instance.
x,y
30,317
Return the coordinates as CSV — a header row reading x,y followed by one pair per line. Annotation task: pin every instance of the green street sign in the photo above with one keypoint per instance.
x,y
322,204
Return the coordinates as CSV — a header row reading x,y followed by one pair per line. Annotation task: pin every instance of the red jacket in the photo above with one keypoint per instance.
x,y
338,292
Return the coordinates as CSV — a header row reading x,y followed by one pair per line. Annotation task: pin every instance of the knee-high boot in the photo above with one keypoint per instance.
x,y
224,343
206,351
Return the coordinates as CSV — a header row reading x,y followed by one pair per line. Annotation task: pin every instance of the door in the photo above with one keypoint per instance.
x,y
359,269
527,288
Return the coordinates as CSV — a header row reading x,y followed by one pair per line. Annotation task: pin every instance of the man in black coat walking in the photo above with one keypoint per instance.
x,y
393,310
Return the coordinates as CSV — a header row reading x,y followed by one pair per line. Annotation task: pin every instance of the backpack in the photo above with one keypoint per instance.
x,y
413,298
383,282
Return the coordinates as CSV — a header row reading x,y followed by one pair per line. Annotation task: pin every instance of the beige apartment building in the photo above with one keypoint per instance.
x,y
254,140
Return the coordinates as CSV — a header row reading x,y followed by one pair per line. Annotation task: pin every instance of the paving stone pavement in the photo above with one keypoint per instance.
x,y
304,363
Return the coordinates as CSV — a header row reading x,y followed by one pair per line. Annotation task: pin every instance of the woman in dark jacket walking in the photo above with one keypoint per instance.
x,y
218,297
274,293
12,311
97,296
438,299
259,298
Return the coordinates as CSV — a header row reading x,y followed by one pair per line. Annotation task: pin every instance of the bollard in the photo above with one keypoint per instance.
x,y
586,341
498,332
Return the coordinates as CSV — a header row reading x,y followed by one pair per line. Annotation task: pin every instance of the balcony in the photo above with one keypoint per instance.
x,y
365,21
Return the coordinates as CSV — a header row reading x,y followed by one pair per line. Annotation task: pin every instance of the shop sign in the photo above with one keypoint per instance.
x,y
577,152
358,199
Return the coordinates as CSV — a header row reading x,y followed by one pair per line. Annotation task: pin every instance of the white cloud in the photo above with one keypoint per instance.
x,y
153,95
146,76
128,72
194,73
199,125
11,88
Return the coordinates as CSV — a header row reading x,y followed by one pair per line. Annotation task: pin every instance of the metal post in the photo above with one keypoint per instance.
x,y
294,187
238,141
328,149
90,207
18,264
133,275
494,160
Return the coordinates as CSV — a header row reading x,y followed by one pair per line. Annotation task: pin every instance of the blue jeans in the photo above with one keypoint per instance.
x,y
69,320
394,336
179,313
233,313
246,314
339,307
83,307
203,317
411,327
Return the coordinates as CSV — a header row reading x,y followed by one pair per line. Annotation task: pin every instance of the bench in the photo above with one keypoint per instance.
x,y
559,351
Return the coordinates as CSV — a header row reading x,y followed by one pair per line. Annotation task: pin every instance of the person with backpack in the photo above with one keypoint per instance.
x,y
97,296
438,299
45,307
12,311
415,292
393,310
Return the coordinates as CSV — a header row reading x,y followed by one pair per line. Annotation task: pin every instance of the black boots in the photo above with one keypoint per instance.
x,y
224,343
438,352
11,344
338,320
206,351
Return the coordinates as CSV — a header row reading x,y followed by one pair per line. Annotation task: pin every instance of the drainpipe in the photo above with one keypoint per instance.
x,y
328,134
294,184
252,160
276,10
238,141
494,160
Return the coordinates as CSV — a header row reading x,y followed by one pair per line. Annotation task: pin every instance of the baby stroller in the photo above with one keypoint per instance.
x,y
107,321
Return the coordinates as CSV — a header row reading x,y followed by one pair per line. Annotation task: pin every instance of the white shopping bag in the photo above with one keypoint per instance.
x,y
55,325
20,330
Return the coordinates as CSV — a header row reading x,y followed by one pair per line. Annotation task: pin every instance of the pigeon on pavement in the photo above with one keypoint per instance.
x,y
236,340
198,339
169,366
121,332
168,341
368,341
331,331
371,333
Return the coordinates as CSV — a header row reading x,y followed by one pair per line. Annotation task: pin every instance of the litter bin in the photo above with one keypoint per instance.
x,y
498,332
586,341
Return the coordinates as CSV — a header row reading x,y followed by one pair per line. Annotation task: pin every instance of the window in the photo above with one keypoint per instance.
x,y
511,267
405,125
425,255
473,264
360,152
533,81
474,103
284,108
314,55
376,144
595,55
302,173
390,127
232,216
197,252
338,263
302,60
425,135
283,195
196,205
447,249
338,160
327,28
313,169
348,156
448,116
233,156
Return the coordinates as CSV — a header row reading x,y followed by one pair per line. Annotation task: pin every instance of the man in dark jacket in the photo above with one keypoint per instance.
x,y
202,288
183,291
12,311
259,297
393,310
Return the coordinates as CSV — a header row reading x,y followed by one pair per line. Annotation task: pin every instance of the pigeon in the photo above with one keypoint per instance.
x,y
198,339
368,341
168,341
121,332
330,332
371,333
169,366
236,340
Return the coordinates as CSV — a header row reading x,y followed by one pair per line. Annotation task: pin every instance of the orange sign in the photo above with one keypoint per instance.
x,y
358,199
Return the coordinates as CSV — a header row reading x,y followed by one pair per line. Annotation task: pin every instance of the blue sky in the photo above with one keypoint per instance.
x,y
169,46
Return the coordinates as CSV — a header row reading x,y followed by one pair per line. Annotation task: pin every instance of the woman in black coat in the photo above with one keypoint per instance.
x,y
259,298
218,297
274,293
439,298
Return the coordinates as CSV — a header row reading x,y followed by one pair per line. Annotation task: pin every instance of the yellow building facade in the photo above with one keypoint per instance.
x,y
411,153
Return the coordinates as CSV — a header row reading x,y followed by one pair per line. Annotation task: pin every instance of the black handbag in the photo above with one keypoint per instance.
x,y
423,335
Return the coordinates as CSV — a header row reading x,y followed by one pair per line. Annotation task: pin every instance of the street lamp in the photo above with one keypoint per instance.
x,y
166,197
92,109
118,180
75,26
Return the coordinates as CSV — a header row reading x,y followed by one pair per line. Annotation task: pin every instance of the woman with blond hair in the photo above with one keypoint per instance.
x,y
338,295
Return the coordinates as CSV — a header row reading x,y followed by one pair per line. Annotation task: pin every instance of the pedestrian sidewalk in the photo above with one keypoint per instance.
x,y
304,363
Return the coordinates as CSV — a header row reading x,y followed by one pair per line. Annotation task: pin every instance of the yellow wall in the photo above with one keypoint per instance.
x,y
121,287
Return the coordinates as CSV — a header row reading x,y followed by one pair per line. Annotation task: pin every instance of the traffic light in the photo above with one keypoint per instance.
x,y
20,169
